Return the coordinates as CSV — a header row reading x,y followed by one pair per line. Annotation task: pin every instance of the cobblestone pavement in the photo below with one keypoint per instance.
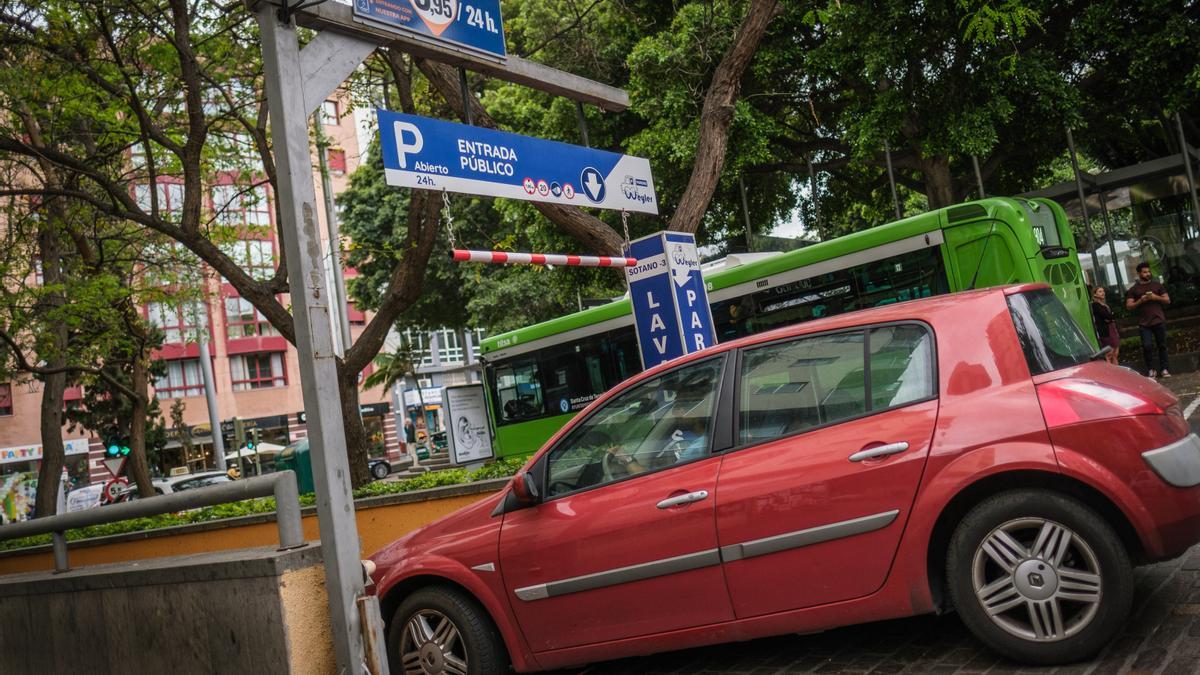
x,y
1161,638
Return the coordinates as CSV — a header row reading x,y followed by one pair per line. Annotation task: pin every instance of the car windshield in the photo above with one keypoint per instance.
x,y
1049,336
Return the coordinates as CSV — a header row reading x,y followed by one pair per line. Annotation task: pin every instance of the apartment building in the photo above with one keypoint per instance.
x,y
256,371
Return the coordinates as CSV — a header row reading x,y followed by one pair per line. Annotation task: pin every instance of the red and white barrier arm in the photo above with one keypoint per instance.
x,y
503,258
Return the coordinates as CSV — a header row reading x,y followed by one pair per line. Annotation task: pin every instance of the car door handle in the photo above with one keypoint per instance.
x,y
879,451
683,499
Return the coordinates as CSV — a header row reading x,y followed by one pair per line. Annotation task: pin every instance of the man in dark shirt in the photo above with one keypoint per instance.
x,y
1146,299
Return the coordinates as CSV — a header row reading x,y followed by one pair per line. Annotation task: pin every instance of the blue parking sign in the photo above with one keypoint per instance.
x,y
670,304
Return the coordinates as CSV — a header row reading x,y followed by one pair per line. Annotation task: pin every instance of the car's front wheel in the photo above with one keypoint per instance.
x,y
1039,577
441,630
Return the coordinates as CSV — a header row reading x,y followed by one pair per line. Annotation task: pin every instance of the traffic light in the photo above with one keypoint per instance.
x,y
116,444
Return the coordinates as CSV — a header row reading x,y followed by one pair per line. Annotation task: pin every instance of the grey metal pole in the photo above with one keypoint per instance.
x,y
1101,275
978,176
466,95
332,232
318,369
1191,177
887,153
583,130
1112,247
746,214
210,396
812,186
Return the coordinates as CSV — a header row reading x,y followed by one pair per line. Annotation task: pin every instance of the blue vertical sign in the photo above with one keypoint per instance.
x,y
670,305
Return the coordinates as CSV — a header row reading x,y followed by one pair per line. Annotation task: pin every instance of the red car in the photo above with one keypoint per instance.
x,y
965,452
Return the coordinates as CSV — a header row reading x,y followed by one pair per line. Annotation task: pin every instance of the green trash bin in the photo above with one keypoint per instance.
x,y
295,457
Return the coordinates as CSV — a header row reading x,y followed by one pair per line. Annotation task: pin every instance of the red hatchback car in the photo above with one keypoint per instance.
x,y
963,452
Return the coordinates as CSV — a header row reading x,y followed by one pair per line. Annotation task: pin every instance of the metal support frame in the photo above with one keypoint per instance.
x,y
281,484
812,187
465,91
583,130
887,155
978,176
1101,274
297,81
1186,153
746,214
334,237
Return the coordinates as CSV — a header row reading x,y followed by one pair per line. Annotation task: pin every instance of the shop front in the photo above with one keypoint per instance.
x,y
377,421
19,470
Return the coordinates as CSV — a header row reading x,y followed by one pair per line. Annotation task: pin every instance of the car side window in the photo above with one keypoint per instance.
x,y
901,365
661,422
789,387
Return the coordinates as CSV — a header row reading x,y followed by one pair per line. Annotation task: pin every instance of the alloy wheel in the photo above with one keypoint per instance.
x,y
1037,579
431,645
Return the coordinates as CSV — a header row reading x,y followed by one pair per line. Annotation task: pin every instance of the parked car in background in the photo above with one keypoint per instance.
x,y
189,481
380,468
966,451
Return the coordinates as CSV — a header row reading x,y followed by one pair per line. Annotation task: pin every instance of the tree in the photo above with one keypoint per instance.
x,y
175,86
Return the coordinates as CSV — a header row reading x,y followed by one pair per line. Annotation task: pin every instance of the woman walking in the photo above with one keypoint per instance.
x,y
1106,325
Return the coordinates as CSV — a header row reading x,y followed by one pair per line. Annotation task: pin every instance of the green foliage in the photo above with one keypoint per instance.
x,y
497,469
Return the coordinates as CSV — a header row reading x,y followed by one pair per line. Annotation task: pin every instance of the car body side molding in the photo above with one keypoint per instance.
x,y
808,537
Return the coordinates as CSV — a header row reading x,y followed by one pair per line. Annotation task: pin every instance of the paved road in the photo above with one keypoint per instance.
x,y
1162,637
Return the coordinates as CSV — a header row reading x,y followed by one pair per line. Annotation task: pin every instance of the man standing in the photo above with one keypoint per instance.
x,y
1146,299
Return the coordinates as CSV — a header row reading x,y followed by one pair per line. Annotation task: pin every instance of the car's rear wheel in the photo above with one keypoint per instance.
x,y
1039,577
441,630
381,470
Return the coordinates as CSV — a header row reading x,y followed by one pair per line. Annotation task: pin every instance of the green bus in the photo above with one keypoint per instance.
x,y
538,377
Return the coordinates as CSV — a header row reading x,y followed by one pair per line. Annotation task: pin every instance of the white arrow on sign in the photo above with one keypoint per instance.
x,y
114,465
680,275
593,185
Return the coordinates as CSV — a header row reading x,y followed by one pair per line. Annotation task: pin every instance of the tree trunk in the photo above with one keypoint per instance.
x,y
137,467
54,354
717,115
939,183
356,433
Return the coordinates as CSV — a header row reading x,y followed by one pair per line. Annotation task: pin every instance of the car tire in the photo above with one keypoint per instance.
x,y
381,470
1039,577
452,629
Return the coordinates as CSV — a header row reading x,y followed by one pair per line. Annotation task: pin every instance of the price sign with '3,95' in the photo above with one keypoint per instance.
x,y
474,24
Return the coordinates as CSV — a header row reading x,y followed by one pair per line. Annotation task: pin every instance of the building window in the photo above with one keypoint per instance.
x,y
242,205
182,379
257,371
178,323
329,113
255,256
6,406
170,198
336,159
242,319
449,349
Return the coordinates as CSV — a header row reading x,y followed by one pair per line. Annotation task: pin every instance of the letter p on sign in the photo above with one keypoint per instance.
x,y
403,148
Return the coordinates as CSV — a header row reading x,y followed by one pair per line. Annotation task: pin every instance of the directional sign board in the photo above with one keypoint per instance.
x,y
474,24
670,304
419,152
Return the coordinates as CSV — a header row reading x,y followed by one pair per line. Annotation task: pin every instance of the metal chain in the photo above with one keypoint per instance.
x,y
449,219
625,226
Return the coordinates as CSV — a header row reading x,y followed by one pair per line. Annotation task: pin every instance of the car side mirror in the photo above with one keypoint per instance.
x,y
525,489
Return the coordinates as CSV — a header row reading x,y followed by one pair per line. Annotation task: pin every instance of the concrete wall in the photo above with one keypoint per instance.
x,y
380,520
249,611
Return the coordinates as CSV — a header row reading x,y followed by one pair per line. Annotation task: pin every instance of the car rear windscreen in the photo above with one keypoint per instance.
x,y
1049,335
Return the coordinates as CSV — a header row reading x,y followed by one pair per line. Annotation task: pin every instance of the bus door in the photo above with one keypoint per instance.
x,y
985,253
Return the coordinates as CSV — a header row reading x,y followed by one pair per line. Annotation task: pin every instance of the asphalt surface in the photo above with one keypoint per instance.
x,y
1161,637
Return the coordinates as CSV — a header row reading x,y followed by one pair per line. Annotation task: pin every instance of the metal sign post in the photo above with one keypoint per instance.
x,y
297,82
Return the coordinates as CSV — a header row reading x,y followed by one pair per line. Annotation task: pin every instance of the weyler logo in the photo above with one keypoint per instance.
x,y
437,14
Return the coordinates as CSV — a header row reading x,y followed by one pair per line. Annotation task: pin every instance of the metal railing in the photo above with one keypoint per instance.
x,y
281,484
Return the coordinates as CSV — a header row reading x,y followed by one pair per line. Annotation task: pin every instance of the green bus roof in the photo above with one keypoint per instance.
x,y
857,241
